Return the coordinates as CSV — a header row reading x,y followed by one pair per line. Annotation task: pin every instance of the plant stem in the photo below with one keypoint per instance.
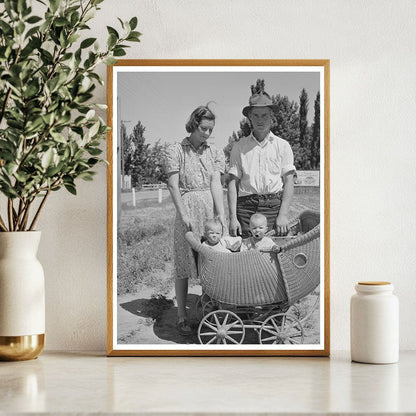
x,y
26,216
21,211
18,216
39,209
10,213
2,224
32,149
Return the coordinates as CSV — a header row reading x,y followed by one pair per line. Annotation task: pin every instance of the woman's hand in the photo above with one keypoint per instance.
x,y
221,219
235,227
187,222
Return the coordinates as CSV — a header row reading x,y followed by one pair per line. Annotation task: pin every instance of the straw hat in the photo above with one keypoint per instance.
x,y
259,100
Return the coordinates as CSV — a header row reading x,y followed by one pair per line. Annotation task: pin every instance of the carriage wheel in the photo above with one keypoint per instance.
x,y
208,307
281,329
221,327
198,312
203,306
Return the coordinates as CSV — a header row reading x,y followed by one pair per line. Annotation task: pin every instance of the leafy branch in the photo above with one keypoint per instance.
x,y
50,134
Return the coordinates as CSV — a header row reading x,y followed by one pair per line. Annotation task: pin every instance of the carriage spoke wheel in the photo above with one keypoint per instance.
x,y
221,327
281,329
208,307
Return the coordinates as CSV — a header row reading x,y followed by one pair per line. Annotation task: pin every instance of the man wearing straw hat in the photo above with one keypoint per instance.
x,y
261,169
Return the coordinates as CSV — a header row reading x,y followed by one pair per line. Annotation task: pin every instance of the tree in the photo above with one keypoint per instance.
x,y
126,149
303,118
154,165
316,134
137,168
287,125
304,132
145,163
258,88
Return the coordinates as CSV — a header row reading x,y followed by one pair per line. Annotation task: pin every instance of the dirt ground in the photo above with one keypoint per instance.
x,y
137,326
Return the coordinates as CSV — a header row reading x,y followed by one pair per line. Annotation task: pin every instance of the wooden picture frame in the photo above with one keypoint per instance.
x,y
159,95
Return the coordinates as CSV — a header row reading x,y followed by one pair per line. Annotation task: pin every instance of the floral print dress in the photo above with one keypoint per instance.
x,y
195,167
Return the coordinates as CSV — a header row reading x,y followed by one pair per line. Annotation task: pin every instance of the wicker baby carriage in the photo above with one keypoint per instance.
x,y
254,290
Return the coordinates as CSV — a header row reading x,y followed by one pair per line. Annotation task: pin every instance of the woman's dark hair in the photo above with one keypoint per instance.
x,y
203,111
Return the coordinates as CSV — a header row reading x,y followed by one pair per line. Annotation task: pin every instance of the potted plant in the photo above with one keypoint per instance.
x,y
50,136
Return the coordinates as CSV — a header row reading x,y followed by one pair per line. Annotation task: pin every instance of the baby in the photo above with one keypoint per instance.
x,y
258,239
215,240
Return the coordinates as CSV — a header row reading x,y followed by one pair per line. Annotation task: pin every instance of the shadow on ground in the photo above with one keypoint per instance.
x,y
164,315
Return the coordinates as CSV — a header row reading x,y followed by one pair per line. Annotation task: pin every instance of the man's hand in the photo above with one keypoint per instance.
x,y
282,225
235,227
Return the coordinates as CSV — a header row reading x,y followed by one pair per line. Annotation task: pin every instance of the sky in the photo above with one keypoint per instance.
x,y
163,101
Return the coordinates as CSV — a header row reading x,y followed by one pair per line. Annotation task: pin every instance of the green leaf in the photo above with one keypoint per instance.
x,y
58,137
33,19
7,30
133,37
133,23
67,153
112,41
94,151
47,158
21,177
92,161
10,8
94,129
31,90
86,176
112,31
87,42
74,18
121,22
90,114
52,171
61,21
20,27
54,4
10,168
70,188
74,38
48,118
35,125
119,52
110,60
21,6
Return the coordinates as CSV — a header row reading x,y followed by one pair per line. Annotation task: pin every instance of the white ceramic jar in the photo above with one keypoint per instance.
x,y
374,323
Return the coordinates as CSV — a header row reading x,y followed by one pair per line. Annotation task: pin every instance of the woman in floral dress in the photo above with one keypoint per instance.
x,y
194,170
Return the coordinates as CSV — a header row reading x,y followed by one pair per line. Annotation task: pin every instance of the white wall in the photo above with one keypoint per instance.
x,y
371,45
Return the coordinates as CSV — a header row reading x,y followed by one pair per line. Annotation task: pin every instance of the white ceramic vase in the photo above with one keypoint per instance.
x,y
22,296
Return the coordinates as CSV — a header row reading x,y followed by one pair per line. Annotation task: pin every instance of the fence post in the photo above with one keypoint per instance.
x,y
159,195
133,194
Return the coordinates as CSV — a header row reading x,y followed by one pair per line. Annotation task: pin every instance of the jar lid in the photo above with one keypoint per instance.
x,y
374,283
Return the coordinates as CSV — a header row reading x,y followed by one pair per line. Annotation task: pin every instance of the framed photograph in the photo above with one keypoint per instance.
x,y
218,208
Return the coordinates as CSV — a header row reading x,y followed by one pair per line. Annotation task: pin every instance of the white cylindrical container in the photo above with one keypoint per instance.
x,y
374,323
22,296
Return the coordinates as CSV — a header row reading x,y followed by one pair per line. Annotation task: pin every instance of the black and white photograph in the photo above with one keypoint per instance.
x,y
218,208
